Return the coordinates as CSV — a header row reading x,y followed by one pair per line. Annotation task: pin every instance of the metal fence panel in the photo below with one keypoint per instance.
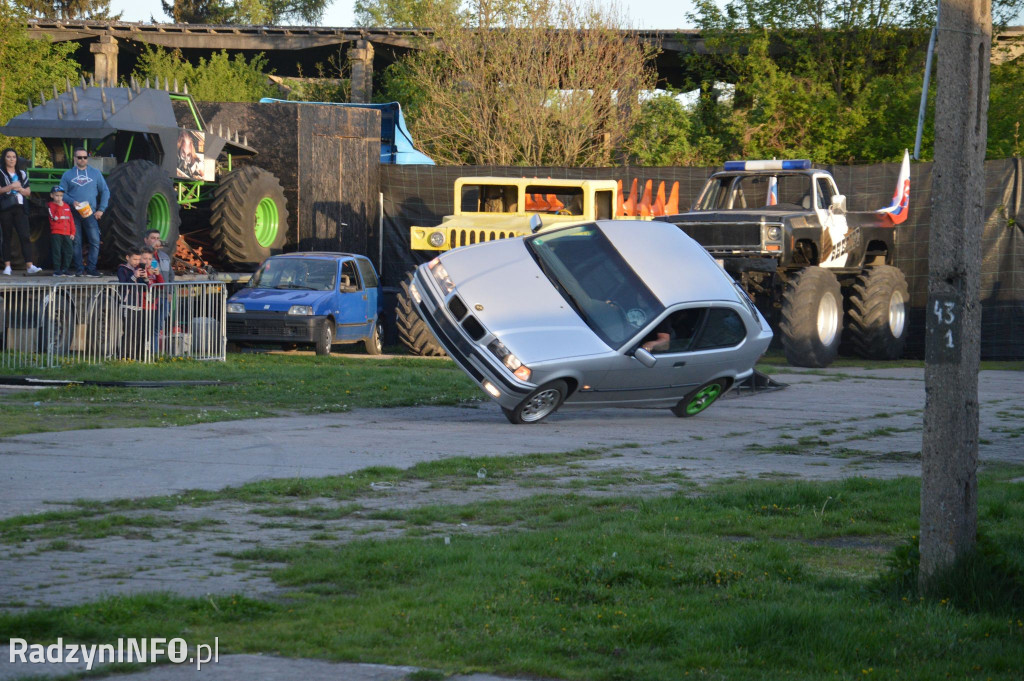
x,y
46,325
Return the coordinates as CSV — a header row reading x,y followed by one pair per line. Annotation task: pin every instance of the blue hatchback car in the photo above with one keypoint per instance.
x,y
318,298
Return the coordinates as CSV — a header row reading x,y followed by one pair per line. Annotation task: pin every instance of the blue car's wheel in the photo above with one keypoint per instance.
x,y
324,337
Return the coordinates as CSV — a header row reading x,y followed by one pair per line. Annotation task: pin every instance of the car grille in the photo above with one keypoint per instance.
x,y
473,328
741,236
457,307
465,237
264,327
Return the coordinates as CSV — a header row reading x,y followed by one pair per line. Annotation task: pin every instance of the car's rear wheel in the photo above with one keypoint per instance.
x,y
374,344
324,337
539,404
700,399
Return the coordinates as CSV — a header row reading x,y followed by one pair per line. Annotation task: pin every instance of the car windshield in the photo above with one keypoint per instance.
x,y
749,192
596,281
296,273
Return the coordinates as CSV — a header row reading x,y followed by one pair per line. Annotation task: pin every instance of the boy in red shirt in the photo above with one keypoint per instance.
x,y
62,233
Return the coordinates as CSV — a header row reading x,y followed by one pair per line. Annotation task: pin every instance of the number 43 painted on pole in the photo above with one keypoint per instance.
x,y
944,314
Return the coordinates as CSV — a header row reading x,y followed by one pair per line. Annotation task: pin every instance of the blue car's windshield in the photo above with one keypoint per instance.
x,y
597,281
297,273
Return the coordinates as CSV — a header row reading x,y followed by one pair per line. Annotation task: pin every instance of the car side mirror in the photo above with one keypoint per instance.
x,y
645,357
838,203
535,223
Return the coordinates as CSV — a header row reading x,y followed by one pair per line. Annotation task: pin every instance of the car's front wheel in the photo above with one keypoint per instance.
x,y
324,337
539,404
700,399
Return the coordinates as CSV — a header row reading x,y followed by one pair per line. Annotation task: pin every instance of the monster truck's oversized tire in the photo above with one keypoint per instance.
x,y
812,318
876,313
413,332
142,197
249,216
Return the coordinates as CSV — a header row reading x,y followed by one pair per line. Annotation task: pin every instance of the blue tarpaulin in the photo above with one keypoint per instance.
x,y
396,147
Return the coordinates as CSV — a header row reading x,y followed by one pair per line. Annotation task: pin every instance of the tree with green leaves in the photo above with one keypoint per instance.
x,y
39,64
197,11
249,12
510,89
404,13
98,10
220,78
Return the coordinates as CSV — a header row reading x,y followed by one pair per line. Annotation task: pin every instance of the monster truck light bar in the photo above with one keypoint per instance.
x,y
768,165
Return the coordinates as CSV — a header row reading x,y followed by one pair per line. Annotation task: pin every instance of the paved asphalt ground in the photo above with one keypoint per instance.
x,y
876,413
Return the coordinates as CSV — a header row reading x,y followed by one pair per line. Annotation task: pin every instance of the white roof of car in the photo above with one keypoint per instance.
x,y
675,267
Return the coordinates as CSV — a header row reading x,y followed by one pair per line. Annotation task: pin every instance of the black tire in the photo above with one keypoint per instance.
x,y
413,332
876,313
56,335
811,318
324,337
539,404
106,313
374,344
244,230
700,399
140,195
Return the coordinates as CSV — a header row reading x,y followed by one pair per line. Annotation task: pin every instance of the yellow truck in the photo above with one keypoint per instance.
x,y
489,208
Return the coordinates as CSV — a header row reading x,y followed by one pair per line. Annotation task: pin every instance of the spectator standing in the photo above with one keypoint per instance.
x,y
153,241
85,185
154,305
163,294
14,193
133,275
62,233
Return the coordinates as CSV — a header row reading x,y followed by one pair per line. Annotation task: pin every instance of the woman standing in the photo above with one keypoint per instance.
x,y
14,193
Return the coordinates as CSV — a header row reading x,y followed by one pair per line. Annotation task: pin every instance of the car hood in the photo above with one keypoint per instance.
x,y
519,304
276,300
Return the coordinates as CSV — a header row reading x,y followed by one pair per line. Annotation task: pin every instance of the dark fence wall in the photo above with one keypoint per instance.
x,y
327,159
422,195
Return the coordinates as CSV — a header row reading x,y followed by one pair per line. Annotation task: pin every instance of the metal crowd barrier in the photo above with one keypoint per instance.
x,y
65,322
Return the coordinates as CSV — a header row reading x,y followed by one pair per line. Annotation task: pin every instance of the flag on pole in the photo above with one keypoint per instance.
x,y
900,206
773,191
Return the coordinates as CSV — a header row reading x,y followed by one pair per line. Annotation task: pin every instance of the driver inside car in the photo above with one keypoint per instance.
x,y
658,340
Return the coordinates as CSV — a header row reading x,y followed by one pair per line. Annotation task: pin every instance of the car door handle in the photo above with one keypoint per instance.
x,y
679,364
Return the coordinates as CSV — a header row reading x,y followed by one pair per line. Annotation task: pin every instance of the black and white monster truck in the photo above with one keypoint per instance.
x,y
824,275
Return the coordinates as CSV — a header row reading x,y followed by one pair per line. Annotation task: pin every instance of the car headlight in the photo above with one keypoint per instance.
x,y
300,309
236,308
436,239
441,275
518,369
774,233
415,293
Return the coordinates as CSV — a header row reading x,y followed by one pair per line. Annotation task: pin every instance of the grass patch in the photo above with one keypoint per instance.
x,y
745,580
253,386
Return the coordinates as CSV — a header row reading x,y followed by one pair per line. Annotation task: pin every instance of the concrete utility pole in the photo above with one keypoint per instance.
x,y
949,453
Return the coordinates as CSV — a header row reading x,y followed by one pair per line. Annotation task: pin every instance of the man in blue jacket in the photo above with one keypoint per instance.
x,y
84,184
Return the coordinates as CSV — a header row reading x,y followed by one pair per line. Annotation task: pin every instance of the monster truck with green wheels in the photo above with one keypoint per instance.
x,y
824,275
158,157
489,208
